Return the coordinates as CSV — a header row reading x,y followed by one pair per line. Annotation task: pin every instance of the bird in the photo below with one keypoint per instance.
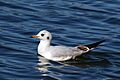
x,y
60,53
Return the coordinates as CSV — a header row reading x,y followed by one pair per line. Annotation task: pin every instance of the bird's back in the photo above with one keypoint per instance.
x,y
61,50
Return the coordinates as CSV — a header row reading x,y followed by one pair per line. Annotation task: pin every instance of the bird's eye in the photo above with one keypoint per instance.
x,y
48,38
42,34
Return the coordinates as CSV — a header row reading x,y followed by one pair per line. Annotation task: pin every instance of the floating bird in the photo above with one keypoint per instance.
x,y
60,53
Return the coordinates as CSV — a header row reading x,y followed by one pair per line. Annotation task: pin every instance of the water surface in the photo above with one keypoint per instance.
x,y
71,22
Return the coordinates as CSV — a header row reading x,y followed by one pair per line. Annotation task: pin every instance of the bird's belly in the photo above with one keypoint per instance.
x,y
62,58
55,58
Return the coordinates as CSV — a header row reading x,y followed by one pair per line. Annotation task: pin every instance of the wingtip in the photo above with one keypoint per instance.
x,y
93,45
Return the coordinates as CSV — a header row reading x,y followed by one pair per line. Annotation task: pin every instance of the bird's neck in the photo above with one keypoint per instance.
x,y
43,46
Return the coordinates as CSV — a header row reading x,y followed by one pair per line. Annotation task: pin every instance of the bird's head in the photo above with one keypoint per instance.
x,y
43,35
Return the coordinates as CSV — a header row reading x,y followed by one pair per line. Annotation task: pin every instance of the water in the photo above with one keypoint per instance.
x,y
71,22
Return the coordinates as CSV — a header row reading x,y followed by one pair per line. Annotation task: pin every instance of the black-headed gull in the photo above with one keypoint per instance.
x,y
60,53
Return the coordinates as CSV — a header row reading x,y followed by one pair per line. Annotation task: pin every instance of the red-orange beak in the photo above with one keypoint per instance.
x,y
34,36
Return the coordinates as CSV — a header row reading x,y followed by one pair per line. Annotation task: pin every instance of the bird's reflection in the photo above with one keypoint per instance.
x,y
80,61
45,64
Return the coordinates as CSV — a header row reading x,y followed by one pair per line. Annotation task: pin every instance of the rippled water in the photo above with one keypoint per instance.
x,y
71,22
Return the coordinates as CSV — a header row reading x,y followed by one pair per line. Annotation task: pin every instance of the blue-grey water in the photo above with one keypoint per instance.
x,y
71,22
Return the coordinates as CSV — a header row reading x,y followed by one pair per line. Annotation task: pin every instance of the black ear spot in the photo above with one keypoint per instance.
x,y
42,34
48,38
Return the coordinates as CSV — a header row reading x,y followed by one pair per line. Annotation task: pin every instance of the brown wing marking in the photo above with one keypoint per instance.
x,y
82,47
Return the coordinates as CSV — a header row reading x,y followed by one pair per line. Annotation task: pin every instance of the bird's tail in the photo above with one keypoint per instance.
x,y
94,45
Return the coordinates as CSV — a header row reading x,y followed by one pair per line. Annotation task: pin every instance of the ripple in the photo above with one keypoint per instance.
x,y
113,20
90,8
14,6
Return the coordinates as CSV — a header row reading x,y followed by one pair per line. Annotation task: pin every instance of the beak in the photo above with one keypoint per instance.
x,y
34,36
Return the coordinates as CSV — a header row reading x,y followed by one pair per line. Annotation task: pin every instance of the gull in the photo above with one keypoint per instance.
x,y
60,53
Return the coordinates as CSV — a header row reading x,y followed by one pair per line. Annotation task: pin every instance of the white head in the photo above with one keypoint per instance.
x,y
43,35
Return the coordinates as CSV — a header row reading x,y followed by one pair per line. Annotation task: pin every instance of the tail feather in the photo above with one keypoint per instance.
x,y
94,45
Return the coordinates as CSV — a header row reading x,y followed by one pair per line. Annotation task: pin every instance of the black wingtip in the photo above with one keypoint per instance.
x,y
93,45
